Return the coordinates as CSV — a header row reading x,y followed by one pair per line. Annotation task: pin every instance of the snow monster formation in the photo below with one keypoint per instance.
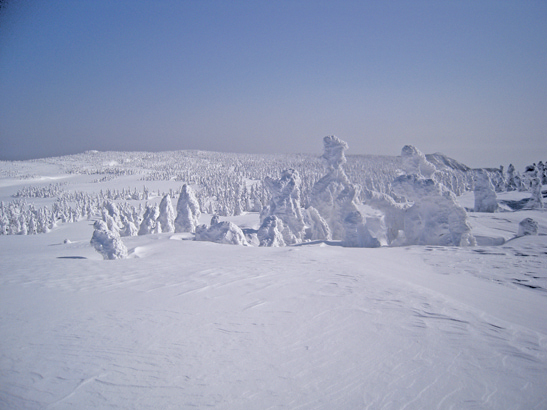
x,y
334,196
485,194
107,243
285,205
149,221
271,232
166,218
431,215
221,232
415,162
435,217
357,235
536,200
188,211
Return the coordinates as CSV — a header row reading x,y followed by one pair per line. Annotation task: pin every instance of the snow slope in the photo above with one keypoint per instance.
x,y
182,324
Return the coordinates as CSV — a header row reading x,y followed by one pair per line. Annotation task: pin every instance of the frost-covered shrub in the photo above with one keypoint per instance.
x,y
107,243
528,226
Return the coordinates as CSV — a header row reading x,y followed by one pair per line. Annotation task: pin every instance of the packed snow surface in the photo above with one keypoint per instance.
x,y
182,324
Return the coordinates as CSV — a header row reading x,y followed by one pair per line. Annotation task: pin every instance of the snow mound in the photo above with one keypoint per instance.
x,y
221,232
528,227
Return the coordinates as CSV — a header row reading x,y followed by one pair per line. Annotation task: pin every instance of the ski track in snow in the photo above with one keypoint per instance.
x,y
189,324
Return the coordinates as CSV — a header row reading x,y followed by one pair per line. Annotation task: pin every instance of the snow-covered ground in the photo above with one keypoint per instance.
x,y
183,324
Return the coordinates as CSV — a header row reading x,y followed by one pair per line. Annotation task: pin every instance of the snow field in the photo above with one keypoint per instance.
x,y
189,324
182,324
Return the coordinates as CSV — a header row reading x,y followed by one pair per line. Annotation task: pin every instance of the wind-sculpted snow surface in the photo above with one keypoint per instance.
x,y
485,194
188,211
187,324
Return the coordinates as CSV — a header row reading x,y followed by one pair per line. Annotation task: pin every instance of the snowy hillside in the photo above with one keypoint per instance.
x,y
447,313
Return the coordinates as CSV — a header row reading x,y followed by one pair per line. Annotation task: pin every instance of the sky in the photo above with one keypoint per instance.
x,y
465,78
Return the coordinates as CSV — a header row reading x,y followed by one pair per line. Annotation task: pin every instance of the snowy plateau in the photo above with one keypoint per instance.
x,y
239,281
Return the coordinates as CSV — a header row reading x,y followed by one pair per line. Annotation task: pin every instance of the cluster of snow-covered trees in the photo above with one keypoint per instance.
x,y
298,200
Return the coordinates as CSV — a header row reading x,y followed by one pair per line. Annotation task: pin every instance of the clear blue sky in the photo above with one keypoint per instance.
x,y
466,78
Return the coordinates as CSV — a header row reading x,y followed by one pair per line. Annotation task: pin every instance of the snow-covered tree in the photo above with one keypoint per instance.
x,y
188,211
415,162
166,217
334,196
107,243
270,232
485,194
435,218
149,224
285,204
